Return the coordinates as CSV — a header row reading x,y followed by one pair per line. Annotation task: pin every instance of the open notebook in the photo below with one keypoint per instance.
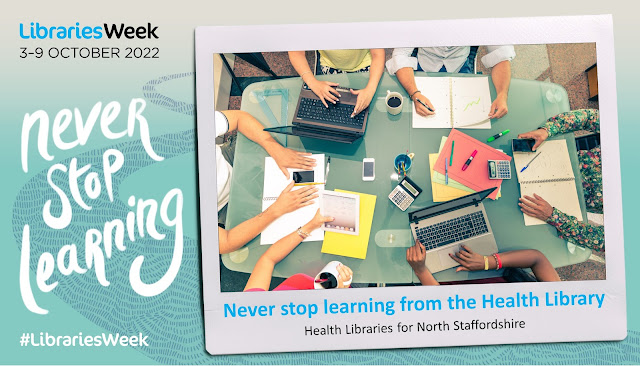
x,y
550,176
459,102
274,183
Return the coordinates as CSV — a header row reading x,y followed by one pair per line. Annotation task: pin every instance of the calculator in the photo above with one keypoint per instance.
x,y
404,194
499,169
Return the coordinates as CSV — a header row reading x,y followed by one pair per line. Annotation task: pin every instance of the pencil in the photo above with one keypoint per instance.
x,y
307,184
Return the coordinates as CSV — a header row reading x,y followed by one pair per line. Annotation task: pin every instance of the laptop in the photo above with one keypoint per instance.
x,y
312,119
442,229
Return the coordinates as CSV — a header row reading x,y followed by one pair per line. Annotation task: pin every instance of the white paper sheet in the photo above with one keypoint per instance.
x,y
471,102
437,90
274,183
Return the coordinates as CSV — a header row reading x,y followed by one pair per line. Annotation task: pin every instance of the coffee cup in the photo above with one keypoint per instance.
x,y
328,277
393,101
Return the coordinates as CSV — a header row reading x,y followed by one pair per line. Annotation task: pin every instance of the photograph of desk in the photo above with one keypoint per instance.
x,y
386,137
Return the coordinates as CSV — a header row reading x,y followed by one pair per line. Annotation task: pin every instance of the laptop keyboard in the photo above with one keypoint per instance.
x,y
337,114
450,231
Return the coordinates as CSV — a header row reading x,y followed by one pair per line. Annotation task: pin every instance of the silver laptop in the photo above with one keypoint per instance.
x,y
444,227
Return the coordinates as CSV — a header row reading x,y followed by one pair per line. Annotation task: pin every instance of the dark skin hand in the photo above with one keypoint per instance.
x,y
526,258
416,258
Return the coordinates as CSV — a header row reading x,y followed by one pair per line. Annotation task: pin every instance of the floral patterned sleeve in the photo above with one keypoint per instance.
x,y
577,232
581,119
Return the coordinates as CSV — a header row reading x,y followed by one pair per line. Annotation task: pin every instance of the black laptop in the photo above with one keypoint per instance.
x,y
312,119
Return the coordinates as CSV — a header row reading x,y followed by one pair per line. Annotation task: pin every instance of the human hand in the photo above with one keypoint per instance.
x,y
287,158
290,200
536,207
316,222
420,109
469,260
364,99
499,107
416,256
345,274
538,135
325,91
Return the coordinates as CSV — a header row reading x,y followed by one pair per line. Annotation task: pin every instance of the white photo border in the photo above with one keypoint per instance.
x,y
286,334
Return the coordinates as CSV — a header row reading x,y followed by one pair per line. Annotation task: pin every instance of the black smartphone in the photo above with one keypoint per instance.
x,y
303,177
522,145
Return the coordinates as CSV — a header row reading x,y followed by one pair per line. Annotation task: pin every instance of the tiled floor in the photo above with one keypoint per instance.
x,y
564,64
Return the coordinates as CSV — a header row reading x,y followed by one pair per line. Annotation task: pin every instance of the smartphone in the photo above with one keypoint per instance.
x,y
303,177
522,145
368,169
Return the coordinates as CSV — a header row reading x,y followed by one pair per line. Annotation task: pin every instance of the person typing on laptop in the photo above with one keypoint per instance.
x,y
337,62
471,261
288,201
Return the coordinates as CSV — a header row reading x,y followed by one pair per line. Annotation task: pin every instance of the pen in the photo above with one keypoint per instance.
x,y
497,135
453,143
466,164
308,184
530,161
426,106
446,171
326,173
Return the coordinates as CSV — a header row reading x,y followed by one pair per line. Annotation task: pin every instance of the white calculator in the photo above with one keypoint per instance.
x,y
499,169
404,194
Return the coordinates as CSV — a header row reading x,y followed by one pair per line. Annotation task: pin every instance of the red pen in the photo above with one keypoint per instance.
x,y
466,164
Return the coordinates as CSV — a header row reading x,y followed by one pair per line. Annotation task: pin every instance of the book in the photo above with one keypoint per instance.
x,y
550,176
459,102
350,245
274,183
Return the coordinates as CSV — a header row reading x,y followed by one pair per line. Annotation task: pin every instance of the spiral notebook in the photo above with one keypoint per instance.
x,y
550,176
459,102
274,183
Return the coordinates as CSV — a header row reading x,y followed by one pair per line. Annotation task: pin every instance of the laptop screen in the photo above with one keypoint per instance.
x,y
443,207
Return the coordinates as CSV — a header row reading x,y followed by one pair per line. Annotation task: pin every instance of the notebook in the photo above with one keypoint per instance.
x,y
476,176
459,102
274,183
550,176
349,245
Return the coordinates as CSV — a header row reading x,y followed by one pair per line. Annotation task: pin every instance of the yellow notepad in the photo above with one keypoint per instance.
x,y
349,245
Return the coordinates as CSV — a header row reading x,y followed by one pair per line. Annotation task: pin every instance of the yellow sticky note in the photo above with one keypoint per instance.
x,y
350,245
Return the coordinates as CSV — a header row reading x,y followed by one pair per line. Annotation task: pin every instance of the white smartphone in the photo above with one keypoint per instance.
x,y
368,169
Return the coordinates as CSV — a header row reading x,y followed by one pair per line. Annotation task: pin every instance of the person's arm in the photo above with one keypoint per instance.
x,y
323,89
526,258
246,124
408,81
501,77
375,73
416,256
288,201
262,272
568,227
581,119
498,59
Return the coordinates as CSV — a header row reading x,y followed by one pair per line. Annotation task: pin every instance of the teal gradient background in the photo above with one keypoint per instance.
x,y
31,84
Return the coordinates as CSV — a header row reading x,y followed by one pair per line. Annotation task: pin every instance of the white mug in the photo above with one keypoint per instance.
x,y
393,110
331,268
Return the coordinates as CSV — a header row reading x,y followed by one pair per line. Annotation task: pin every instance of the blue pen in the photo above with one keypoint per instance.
x,y
446,170
530,161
